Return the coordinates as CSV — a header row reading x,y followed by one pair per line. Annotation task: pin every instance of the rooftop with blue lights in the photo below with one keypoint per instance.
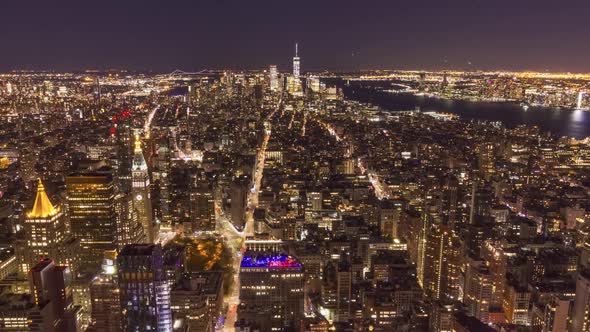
x,y
265,260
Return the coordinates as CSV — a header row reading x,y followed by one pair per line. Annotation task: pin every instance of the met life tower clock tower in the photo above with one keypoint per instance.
x,y
140,189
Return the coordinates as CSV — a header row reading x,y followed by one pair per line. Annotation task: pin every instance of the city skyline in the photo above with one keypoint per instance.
x,y
276,196
343,36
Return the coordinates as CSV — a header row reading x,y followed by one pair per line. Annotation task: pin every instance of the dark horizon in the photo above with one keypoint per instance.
x,y
333,35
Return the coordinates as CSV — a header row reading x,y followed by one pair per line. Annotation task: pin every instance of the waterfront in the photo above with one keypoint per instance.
x,y
560,122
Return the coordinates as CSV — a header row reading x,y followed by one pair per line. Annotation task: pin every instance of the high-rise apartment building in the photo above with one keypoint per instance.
x,y
440,264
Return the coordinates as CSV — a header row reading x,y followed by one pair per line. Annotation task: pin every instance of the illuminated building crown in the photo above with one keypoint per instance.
x,y
139,163
42,207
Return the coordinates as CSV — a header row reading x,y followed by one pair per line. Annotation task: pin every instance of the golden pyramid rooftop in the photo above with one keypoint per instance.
x,y
42,207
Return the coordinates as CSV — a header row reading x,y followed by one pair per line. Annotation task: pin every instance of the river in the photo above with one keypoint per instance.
x,y
560,122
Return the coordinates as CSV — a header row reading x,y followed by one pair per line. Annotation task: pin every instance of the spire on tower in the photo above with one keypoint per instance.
x,y
138,159
296,62
137,144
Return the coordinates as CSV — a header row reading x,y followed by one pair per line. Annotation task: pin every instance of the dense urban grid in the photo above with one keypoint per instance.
x,y
268,201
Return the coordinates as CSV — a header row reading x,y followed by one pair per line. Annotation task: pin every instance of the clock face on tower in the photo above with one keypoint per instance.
x,y
139,197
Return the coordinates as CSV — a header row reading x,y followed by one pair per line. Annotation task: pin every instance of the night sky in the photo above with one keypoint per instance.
x,y
345,35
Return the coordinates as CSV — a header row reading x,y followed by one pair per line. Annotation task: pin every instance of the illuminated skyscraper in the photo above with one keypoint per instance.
x,y
141,192
129,229
487,159
144,289
91,206
274,78
44,231
296,63
439,263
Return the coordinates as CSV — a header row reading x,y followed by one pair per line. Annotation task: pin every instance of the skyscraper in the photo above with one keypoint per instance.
x,y
91,205
449,200
274,78
52,294
439,266
343,291
129,229
144,289
481,203
140,187
44,231
478,289
487,159
296,63
104,297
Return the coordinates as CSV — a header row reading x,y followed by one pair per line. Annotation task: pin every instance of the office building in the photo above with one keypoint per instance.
x,y
104,297
144,289
580,313
198,298
44,232
93,220
272,282
274,78
129,228
52,294
478,289
343,291
202,209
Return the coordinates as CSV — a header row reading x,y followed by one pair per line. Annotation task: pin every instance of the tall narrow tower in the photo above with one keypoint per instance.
x,y
296,62
140,189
